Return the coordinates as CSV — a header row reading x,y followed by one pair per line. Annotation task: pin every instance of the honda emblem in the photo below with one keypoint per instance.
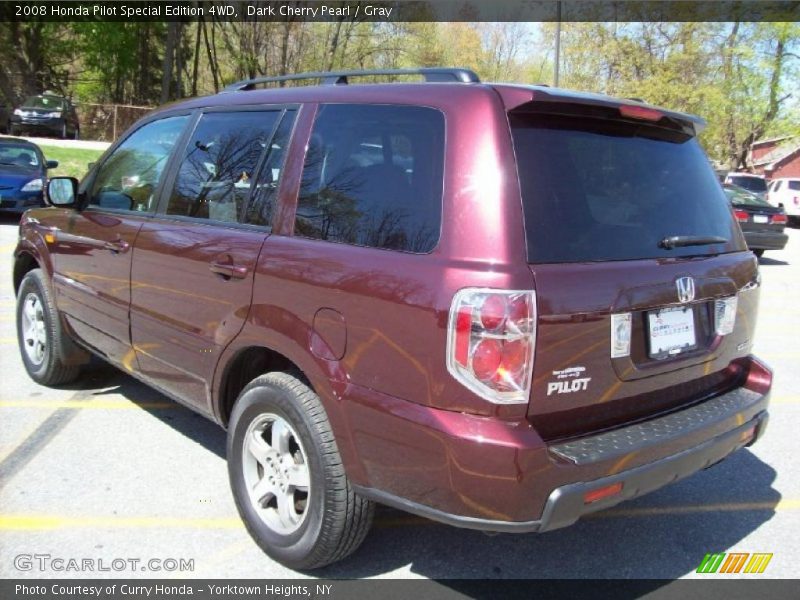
x,y
685,287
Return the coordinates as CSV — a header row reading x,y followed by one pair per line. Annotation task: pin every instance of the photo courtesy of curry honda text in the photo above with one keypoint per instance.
x,y
469,301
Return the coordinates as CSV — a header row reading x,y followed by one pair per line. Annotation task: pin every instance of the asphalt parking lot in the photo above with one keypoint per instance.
x,y
108,469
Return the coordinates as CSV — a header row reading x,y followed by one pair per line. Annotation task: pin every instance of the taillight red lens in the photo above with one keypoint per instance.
x,y
493,311
741,216
462,335
491,339
486,359
640,112
780,219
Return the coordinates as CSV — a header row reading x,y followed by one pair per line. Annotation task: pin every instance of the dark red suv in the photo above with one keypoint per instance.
x,y
497,306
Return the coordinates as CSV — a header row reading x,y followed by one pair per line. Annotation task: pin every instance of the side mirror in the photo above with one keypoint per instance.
x,y
62,191
51,164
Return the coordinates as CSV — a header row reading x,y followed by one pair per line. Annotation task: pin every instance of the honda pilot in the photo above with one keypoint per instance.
x,y
501,307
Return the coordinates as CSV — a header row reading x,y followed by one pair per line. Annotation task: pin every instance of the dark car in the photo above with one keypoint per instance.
x,y
23,175
528,305
5,117
46,114
761,223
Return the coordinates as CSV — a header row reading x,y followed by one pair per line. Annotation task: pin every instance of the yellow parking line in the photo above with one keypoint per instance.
x,y
780,505
8,247
104,404
33,522
44,522
8,340
785,400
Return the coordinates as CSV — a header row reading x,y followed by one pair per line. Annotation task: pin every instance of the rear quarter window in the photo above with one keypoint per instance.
x,y
373,177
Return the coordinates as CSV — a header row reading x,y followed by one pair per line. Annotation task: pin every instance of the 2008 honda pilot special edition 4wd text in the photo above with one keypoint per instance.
x,y
497,306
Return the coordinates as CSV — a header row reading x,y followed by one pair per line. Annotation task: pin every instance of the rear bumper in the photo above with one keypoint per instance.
x,y
551,481
765,240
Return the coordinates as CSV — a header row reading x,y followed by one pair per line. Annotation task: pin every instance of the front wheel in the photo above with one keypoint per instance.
x,y
40,333
759,253
287,476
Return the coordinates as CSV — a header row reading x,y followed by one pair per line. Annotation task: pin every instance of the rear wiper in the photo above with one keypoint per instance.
x,y
679,241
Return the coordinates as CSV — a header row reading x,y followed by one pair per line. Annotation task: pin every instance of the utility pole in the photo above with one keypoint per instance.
x,y
558,44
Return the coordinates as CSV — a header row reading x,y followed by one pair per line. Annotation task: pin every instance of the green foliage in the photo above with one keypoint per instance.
x,y
741,77
72,162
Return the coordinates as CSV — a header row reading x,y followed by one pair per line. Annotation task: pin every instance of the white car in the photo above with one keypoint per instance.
x,y
786,191
752,183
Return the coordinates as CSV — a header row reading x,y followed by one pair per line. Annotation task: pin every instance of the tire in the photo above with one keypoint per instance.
x,y
758,253
40,333
326,520
13,130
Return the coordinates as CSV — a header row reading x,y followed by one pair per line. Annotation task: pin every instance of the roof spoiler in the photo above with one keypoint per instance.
x,y
558,101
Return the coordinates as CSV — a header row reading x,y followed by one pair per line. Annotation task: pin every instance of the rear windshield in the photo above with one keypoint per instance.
x,y
742,197
50,102
609,190
754,184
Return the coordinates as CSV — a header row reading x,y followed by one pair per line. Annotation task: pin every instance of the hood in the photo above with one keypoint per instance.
x,y
15,177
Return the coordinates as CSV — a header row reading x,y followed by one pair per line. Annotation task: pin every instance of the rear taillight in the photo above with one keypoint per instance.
x,y
741,216
780,219
725,315
491,340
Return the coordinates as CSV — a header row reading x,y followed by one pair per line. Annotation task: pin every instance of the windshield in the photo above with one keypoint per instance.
x,y
48,102
740,196
610,190
18,155
754,184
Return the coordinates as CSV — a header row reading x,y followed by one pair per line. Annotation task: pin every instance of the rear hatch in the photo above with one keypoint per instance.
x,y
635,255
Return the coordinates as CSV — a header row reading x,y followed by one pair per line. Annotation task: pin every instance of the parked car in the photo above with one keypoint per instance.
x,y
46,114
5,115
23,174
531,304
752,183
785,191
761,223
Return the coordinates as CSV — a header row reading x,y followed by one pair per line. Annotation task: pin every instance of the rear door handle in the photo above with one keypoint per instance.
x,y
117,247
228,270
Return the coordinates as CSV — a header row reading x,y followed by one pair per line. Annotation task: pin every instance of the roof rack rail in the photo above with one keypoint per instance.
x,y
431,75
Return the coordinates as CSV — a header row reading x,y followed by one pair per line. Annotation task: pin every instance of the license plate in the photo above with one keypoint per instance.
x,y
760,219
671,331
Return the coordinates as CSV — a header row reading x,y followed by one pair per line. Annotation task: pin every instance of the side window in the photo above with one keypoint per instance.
x,y
373,177
262,202
219,163
777,186
128,179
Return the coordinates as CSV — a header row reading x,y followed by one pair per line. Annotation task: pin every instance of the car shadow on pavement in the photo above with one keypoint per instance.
x,y
661,536
765,261
182,419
